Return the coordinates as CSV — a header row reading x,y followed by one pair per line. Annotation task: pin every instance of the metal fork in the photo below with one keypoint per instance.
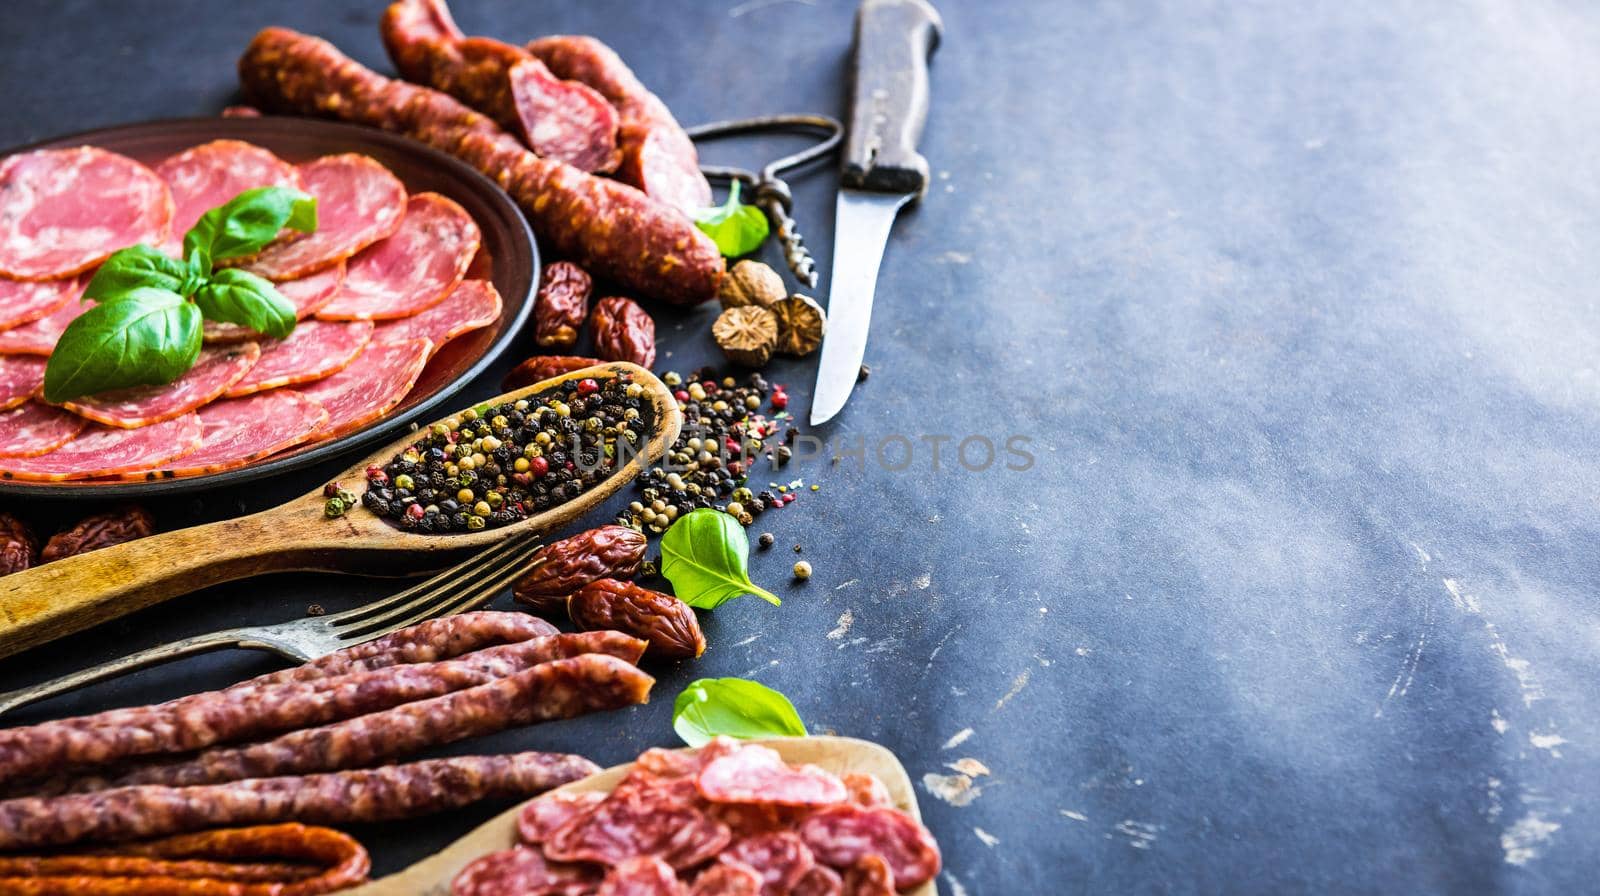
x,y
462,587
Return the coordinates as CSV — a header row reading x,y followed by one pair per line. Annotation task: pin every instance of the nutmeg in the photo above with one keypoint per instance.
x,y
746,334
801,323
751,283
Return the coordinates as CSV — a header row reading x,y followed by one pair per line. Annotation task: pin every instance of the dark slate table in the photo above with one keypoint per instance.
x,y
1294,304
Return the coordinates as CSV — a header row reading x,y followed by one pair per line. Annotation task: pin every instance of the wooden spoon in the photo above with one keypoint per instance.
x,y
66,596
432,876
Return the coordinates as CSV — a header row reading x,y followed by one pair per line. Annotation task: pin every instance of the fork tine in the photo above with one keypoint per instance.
x,y
441,580
505,570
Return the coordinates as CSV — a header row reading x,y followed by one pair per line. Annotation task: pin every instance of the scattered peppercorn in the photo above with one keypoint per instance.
x,y
766,540
315,610
802,570
863,373
334,509
797,549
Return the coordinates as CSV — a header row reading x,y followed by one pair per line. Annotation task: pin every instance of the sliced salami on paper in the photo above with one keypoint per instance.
x,y
359,202
307,294
23,302
316,348
413,269
237,431
370,386
40,337
473,305
108,451
521,870
213,374
206,176
757,774
20,378
63,211
36,428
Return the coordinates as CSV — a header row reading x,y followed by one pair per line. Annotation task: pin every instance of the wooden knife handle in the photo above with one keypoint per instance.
x,y
889,99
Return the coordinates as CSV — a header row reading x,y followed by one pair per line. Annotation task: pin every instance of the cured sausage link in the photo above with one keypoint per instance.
x,y
381,794
559,689
612,229
226,717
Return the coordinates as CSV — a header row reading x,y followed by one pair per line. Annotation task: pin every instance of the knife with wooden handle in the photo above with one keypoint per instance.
x,y
882,172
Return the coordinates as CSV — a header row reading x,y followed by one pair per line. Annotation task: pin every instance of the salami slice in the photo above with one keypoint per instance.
x,y
36,428
315,349
204,177
523,872
216,370
866,789
368,387
782,858
757,774
359,202
633,822
728,877
307,294
819,881
413,269
22,302
547,814
40,336
642,876
841,836
236,431
20,379
563,119
108,450
63,211
473,305
871,876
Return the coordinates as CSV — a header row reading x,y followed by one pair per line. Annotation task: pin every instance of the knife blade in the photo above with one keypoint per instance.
x,y
882,172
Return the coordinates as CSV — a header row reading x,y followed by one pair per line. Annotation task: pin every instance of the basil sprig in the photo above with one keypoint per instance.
x,y
736,228
705,555
146,328
734,707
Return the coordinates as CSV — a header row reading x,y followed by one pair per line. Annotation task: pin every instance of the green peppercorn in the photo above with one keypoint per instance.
x,y
482,508
466,496
475,522
470,414
334,509
495,499
404,481
347,496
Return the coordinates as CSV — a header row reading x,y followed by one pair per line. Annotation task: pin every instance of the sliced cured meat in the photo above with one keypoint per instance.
x,y
36,428
523,872
20,378
633,822
236,431
23,302
841,836
642,876
213,373
63,211
368,387
871,876
414,268
108,450
205,176
757,774
307,294
866,789
662,162
728,877
358,203
563,120
40,336
819,881
547,814
316,348
473,305
782,858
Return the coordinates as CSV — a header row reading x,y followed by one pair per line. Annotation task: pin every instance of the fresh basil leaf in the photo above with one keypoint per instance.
x,y
240,297
736,228
734,707
704,555
147,337
247,222
135,267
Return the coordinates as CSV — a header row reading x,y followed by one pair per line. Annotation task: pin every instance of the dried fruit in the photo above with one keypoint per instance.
x,y
543,367
751,283
18,548
102,530
562,304
564,566
801,323
663,620
747,334
623,331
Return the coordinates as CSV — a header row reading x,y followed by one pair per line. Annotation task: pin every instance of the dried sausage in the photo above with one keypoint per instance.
x,y
562,304
562,567
841,835
611,229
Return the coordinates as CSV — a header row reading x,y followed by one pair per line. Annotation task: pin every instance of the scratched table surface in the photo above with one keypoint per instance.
x,y
1288,313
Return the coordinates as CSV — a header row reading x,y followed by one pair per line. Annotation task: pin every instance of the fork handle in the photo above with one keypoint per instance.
x,y
198,644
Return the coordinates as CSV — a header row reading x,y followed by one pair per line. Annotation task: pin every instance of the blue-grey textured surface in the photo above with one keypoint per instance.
x,y
1296,304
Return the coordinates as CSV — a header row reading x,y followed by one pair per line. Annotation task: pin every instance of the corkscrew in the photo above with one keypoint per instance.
x,y
768,190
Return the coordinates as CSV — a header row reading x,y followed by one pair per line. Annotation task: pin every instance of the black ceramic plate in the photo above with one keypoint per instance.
x,y
509,258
